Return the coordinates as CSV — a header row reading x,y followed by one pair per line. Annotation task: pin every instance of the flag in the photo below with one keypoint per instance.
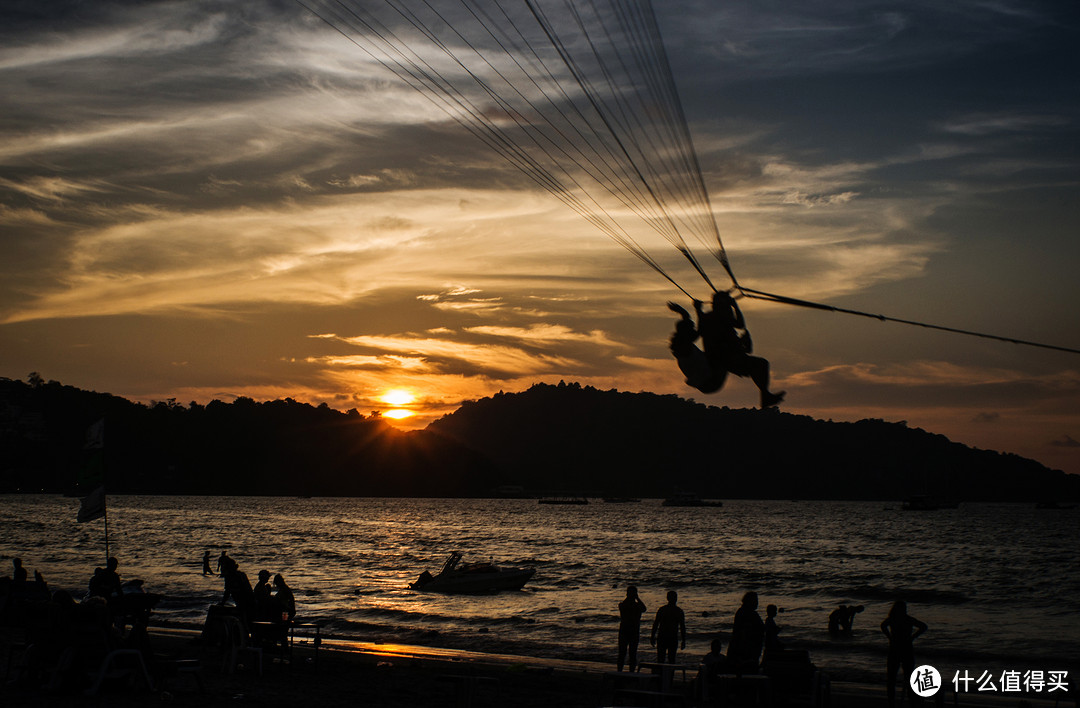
x,y
92,475
93,505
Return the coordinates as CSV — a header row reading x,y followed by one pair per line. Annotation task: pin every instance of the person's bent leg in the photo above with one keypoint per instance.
x,y
759,373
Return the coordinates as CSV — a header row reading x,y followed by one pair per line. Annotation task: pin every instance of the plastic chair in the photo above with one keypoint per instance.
x,y
111,668
236,644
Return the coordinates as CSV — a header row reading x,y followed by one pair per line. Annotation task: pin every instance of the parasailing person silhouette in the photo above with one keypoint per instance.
x,y
581,98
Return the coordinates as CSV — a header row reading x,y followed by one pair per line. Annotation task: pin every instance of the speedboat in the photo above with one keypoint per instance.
x,y
458,577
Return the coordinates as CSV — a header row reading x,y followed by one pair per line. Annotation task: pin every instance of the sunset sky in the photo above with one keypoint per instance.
x,y
206,199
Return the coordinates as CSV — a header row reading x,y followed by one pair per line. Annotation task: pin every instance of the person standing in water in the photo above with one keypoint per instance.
x,y
901,629
747,636
630,611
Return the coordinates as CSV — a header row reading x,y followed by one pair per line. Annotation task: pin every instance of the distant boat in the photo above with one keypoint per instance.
x,y
689,499
456,577
924,502
564,500
1053,505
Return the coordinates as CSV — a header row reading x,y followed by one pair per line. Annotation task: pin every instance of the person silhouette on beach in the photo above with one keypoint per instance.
x,y
106,581
630,611
712,665
747,636
264,601
206,563
18,572
238,589
669,625
842,619
728,345
773,646
283,596
901,629
222,563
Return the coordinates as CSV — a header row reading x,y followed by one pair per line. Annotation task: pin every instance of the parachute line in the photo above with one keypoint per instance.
x,y
578,96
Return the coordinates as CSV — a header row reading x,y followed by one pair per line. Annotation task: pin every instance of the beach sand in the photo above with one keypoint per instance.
x,y
356,674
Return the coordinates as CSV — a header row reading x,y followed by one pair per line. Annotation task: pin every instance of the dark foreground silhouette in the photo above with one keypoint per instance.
x,y
669,630
901,629
630,611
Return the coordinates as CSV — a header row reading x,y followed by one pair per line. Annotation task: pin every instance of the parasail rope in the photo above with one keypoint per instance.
x,y
382,44
771,297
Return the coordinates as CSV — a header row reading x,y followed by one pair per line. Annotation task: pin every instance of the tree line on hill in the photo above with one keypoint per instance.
x,y
568,438
281,447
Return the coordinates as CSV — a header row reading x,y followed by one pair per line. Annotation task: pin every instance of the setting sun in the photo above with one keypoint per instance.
x,y
398,413
398,397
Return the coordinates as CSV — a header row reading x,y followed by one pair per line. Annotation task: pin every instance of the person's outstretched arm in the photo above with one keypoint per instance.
x,y
740,323
679,310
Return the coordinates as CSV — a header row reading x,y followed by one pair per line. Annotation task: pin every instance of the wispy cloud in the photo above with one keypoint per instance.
x,y
979,124
546,334
934,373
443,354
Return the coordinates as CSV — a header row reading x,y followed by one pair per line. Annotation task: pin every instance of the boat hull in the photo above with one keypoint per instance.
x,y
476,583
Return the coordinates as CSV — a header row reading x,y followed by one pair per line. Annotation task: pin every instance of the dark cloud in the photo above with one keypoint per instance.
x,y
988,417
1066,441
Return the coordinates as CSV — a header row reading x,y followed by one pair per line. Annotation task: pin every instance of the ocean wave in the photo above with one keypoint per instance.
x,y
914,595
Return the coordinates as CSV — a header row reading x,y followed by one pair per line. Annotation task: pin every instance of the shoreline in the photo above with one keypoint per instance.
x,y
346,672
845,694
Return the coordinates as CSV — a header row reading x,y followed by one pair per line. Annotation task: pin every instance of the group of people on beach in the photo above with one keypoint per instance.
x,y
66,637
262,603
755,643
17,588
71,636
749,634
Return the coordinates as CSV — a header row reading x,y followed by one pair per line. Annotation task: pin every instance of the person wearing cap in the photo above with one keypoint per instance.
x,y
264,602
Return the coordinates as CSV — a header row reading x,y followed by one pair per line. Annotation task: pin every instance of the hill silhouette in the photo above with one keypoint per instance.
x,y
281,447
579,439
565,438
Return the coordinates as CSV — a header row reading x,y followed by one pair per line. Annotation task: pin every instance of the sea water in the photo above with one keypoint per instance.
x,y
998,585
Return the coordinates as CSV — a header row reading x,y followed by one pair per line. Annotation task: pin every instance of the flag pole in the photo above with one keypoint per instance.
x,y
106,533
92,477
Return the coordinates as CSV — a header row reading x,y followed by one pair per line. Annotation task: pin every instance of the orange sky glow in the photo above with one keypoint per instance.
x,y
204,205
